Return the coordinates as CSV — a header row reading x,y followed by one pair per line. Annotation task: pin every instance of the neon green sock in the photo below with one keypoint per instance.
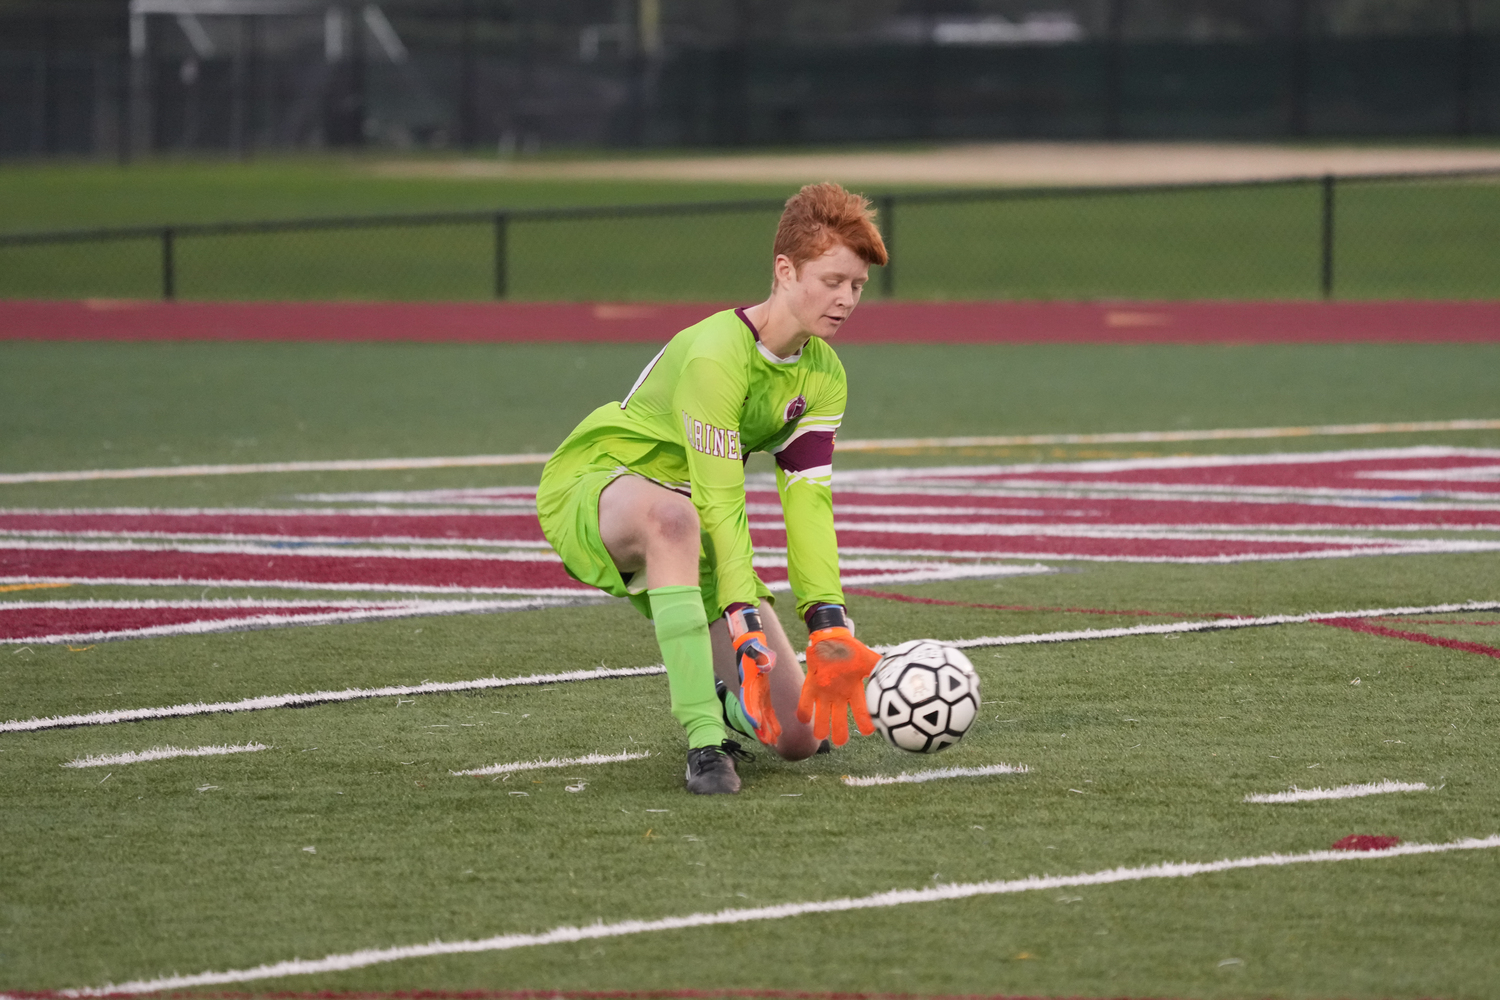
x,y
735,715
682,633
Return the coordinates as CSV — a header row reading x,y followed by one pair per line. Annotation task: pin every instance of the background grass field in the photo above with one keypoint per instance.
x,y
142,873
1393,240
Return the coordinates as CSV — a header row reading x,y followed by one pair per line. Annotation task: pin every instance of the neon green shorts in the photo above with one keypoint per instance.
x,y
567,504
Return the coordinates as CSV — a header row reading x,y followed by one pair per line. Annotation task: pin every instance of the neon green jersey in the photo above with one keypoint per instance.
x,y
711,397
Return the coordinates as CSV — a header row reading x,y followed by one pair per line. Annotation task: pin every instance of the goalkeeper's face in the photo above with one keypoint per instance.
x,y
826,289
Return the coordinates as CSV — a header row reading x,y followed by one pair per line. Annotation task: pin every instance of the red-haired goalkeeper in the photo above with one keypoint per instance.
x,y
646,500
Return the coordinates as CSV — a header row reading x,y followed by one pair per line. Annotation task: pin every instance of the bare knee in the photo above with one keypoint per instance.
x,y
672,522
797,744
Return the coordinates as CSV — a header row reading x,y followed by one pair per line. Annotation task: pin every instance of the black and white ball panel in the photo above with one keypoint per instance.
x,y
923,696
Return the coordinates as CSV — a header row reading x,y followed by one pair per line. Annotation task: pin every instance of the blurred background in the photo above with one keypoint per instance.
x,y
1016,149
112,78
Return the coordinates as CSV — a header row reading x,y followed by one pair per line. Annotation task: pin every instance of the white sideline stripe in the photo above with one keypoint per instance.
x,y
536,765
211,625
342,465
888,518
351,694
477,495
1159,462
321,697
758,483
939,573
230,602
1397,547
320,552
1341,792
289,547
286,541
866,444
1208,626
162,753
1163,532
1240,434
370,588
1084,489
335,512
915,574
1201,494
936,774
896,897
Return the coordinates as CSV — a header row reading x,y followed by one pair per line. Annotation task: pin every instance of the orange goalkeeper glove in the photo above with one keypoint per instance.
x,y
837,665
755,660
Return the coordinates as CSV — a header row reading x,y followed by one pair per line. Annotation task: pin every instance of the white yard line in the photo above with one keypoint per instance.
x,y
1160,532
207,626
867,444
291,547
1395,547
875,571
320,698
352,694
162,753
248,602
1113,489
882,900
1104,465
340,465
536,765
1208,626
1194,494
252,602
1341,792
579,591
324,512
937,774
283,543
938,573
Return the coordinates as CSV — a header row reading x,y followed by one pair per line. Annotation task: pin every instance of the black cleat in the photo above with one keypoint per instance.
x,y
826,746
710,770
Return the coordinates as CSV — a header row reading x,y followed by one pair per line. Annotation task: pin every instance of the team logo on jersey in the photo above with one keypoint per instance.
x,y
794,409
719,442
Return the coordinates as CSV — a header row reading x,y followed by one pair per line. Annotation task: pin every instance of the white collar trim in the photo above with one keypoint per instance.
x,y
791,360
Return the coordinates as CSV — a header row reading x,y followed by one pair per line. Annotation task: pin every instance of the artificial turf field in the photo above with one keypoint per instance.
x,y
349,832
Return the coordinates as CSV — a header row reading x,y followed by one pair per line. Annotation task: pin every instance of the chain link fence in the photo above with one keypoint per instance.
x,y
1431,236
134,78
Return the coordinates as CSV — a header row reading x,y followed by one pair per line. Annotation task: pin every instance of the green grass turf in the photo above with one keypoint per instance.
x,y
1419,240
142,873
106,405
131,871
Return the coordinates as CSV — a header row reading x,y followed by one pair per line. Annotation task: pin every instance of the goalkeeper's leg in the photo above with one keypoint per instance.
x,y
796,741
646,527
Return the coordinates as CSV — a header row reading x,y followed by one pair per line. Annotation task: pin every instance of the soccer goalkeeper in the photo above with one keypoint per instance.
x,y
646,500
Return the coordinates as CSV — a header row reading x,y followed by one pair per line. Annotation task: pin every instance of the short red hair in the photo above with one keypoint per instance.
x,y
823,215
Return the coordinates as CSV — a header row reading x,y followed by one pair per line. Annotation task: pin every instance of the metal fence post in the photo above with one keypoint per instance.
x,y
888,232
1328,183
168,265
501,224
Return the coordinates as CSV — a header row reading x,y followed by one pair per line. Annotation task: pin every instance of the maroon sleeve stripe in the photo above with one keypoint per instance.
x,y
808,450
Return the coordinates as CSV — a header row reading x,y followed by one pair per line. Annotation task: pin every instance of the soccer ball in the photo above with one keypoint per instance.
x,y
923,696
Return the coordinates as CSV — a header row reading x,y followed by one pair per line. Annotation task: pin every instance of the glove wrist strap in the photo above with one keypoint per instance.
x,y
743,620
825,616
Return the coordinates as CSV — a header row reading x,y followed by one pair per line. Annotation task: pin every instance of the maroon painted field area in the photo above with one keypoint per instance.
x,y
439,548
874,323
